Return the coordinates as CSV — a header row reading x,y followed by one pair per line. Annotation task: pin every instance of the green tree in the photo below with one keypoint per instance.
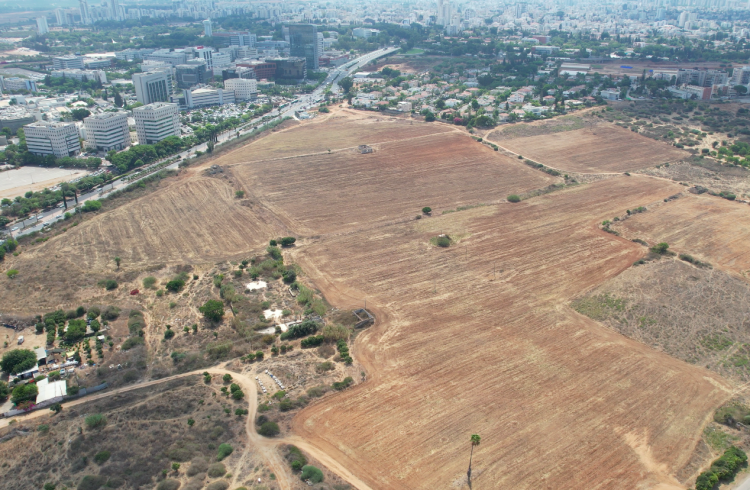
x,y
118,100
269,429
213,310
12,273
18,360
117,261
80,114
740,89
660,248
76,330
4,391
475,440
346,83
25,393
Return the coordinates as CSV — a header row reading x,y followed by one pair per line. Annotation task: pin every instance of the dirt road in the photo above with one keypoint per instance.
x,y
266,447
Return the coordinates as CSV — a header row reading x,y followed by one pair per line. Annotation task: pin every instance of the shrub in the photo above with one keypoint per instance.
x,y
313,341
4,391
274,252
269,429
175,285
213,310
239,194
168,484
342,385
101,457
316,391
132,342
12,273
443,241
96,421
168,334
723,469
660,248
91,482
18,360
426,210
288,241
514,198
273,243
304,329
311,473
218,485
110,313
108,284
289,276
224,451
216,470
91,205
295,458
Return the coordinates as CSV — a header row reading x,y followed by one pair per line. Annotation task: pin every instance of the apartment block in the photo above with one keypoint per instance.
x,y
153,86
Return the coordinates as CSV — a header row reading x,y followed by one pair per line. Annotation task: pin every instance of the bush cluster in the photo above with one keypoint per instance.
x,y
311,473
344,351
313,341
723,469
342,385
308,327
9,246
295,458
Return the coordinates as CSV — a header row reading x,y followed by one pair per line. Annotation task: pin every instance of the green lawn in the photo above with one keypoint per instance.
x,y
415,51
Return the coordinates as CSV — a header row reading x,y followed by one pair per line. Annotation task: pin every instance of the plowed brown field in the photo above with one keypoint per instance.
x,y
560,401
345,129
708,227
606,148
334,192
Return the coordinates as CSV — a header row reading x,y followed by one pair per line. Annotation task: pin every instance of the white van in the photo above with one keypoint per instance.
x,y
20,340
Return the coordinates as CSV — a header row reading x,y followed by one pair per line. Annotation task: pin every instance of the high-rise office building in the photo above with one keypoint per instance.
x,y
107,131
153,86
154,122
207,28
67,62
52,138
192,73
114,9
60,17
444,13
41,26
303,39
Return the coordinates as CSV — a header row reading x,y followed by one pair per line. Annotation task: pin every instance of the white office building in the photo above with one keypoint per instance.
x,y
83,7
207,31
17,83
41,26
153,86
52,138
67,62
154,122
172,57
107,131
207,96
243,88
82,75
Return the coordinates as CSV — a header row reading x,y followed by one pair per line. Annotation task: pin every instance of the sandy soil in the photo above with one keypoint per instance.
x,y
560,401
608,148
16,182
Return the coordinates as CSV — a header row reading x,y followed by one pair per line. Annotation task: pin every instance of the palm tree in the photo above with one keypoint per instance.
x,y
475,440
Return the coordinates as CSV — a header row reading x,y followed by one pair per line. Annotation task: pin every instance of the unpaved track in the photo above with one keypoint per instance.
x,y
266,447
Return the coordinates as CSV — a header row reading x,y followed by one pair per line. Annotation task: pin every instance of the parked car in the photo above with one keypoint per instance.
x,y
20,340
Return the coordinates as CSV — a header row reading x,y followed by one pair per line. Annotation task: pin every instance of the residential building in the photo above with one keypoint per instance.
x,y
741,76
243,88
60,17
610,94
207,31
156,121
153,86
191,73
545,50
83,7
41,26
52,138
364,32
67,62
404,106
107,131
304,43
133,54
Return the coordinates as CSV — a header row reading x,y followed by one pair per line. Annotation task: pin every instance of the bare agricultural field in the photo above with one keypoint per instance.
x,y
478,338
538,128
342,129
710,228
334,192
594,150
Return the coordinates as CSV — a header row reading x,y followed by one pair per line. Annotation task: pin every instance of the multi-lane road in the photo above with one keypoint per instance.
x,y
302,103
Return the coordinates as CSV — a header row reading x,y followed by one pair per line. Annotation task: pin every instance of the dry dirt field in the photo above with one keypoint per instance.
x,y
603,148
561,401
707,227
475,338
335,192
340,129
